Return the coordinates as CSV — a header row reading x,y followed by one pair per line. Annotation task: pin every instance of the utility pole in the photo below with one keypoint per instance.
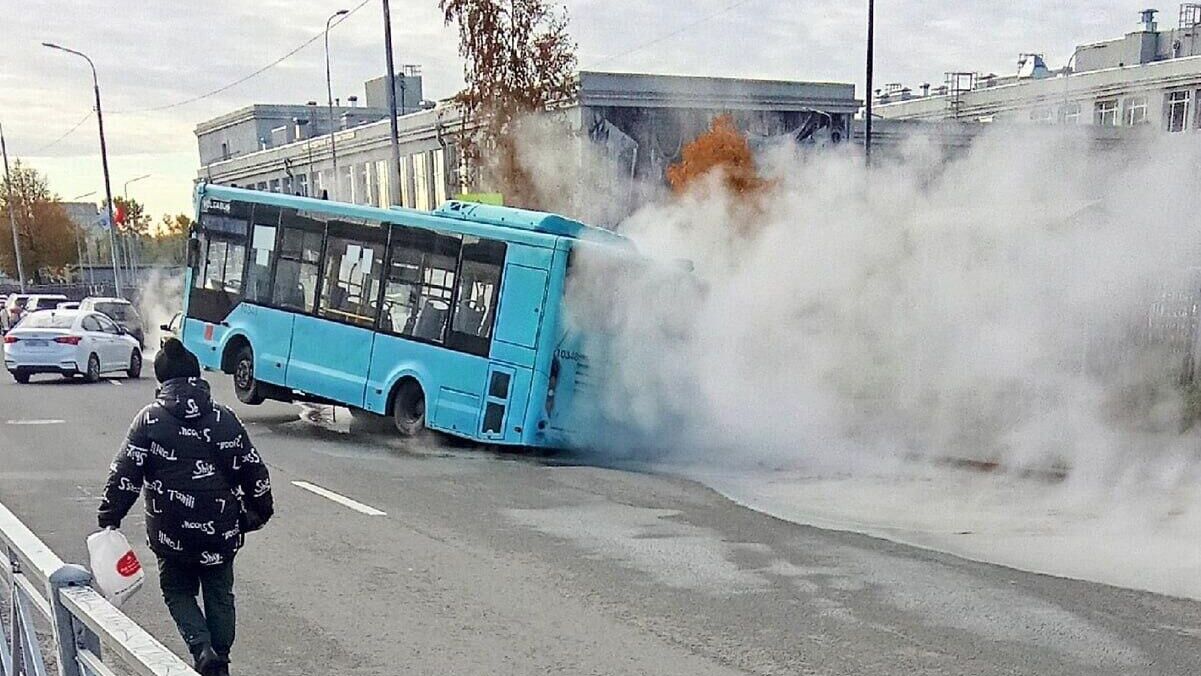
x,y
329,91
871,39
12,217
394,182
108,190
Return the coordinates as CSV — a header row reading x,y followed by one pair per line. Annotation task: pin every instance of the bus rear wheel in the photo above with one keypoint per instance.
x,y
246,387
408,409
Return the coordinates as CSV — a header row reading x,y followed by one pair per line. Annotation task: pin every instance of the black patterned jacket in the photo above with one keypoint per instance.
x,y
170,455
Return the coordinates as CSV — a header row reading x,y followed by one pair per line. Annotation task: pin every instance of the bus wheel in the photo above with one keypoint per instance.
x,y
245,386
408,409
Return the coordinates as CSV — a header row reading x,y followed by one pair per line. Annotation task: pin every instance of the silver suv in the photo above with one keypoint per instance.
x,y
120,311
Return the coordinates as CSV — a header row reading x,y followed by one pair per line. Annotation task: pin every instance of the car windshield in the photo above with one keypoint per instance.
x,y
48,320
118,311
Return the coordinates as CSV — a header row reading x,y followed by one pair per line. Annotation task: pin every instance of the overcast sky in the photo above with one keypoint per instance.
x,y
160,52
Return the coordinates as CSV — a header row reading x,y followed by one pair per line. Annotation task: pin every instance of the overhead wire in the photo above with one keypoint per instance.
x,y
667,36
65,134
241,80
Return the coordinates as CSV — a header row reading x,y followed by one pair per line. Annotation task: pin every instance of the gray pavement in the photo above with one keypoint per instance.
x,y
488,563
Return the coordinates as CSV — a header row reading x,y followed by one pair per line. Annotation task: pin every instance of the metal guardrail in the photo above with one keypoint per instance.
x,y
80,618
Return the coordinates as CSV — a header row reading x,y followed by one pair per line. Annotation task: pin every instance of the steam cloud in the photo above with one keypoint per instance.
x,y
1008,304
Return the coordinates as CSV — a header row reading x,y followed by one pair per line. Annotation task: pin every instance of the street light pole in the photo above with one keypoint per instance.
x,y
12,217
871,39
394,183
131,257
329,92
108,191
87,248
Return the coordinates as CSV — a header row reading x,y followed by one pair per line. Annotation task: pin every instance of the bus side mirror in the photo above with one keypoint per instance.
x,y
193,253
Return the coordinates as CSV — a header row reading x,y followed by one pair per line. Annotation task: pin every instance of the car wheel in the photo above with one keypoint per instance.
x,y
135,365
408,409
245,386
92,375
21,377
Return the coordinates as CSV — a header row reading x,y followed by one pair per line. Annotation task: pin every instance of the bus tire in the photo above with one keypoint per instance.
x,y
246,387
408,409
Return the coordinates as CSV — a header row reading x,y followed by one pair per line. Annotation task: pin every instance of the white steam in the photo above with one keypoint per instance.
x,y
992,306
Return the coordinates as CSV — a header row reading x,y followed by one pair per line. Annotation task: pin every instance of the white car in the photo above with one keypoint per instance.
x,y
70,343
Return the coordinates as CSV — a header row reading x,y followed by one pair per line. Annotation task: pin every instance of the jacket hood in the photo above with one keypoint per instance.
x,y
186,399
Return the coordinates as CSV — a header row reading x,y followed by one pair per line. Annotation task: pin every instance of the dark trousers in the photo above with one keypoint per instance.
x,y
181,582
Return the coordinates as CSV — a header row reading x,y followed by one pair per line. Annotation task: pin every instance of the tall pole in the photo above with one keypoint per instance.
x,y
87,248
871,39
329,92
12,216
108,190
131,259
394,184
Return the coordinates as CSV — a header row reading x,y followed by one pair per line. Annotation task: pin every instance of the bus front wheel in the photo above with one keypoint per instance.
x,y
245,386
408,409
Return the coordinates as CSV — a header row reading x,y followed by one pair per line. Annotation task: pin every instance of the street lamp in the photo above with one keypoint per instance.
x,y
108,192
329,91
86,248
12,217
130,256
394,174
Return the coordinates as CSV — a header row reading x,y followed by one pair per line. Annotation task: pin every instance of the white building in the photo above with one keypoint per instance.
x,y
1147,78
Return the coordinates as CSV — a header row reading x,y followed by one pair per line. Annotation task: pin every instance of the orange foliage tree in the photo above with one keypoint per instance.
x,y
722,148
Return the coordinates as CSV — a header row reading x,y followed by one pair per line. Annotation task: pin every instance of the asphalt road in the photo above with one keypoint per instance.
x,y
486,563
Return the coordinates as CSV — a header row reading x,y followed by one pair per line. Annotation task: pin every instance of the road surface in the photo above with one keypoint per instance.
x,y
485,563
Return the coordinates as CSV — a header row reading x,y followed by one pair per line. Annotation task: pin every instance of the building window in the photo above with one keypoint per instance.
x,y
225,151
1177,110
1135,111
302,185
406,187
274,185
383,179
1042,115
421,181
1070,113
1105,113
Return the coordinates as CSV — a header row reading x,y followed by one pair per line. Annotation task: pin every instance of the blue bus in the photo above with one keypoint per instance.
x,y
452,320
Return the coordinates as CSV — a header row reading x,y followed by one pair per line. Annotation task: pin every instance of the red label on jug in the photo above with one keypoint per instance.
x,y
129,565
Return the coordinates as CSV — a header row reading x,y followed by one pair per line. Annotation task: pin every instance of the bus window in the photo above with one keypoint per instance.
x,y
262,248
296,271
214,265
352,277
476,295
421,279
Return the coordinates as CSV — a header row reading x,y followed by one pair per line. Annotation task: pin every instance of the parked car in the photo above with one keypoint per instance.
x,y
70,343
14,307
171,328
69,305
120,311
44,301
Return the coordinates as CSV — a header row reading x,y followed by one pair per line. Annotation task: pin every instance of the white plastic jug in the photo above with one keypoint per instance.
x,y
115,567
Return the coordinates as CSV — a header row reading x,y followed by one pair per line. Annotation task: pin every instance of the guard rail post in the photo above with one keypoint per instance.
x,y
69,635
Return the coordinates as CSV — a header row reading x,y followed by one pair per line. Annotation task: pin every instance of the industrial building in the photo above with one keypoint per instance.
x,y
1149,78
640,122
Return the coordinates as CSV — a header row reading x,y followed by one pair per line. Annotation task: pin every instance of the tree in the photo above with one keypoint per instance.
x,y
167,240
723,148
518,61
47,235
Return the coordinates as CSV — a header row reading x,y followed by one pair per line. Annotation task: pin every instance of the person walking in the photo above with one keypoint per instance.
x,y
205,487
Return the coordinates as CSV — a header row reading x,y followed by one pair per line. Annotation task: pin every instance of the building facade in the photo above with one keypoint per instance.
x,y
639,122
1149,78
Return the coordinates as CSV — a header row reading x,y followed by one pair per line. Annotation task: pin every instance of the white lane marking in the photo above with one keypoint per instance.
x,y
34,422
340,499
115,382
